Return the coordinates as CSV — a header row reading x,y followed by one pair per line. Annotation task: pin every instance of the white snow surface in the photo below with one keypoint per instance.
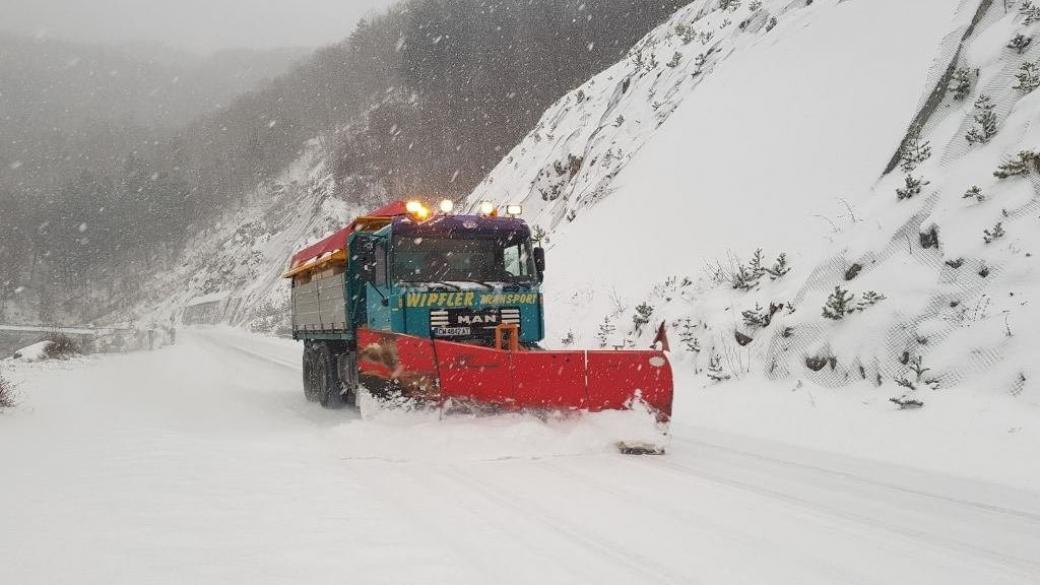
x,y
203,463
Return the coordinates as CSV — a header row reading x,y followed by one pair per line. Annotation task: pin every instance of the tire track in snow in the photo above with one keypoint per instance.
x,y
634,563
1028,568
549,558
863,480
738,537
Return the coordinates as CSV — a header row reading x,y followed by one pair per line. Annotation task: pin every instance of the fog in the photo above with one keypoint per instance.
x,y
197,25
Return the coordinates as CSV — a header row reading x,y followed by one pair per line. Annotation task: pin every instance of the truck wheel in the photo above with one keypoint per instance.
x,y
329,390
346,366
309,381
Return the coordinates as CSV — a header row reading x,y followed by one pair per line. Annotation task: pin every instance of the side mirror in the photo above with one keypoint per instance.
x,y
539,261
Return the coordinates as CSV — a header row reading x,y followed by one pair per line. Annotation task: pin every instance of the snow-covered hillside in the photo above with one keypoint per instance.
x,y
239,260
771,125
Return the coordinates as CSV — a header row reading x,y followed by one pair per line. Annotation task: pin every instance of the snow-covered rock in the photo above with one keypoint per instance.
x,y
36,352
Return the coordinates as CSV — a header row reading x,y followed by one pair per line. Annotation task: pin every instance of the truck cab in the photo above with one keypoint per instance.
x,y
453,277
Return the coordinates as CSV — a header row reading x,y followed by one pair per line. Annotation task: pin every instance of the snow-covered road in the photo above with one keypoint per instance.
x,y
202,463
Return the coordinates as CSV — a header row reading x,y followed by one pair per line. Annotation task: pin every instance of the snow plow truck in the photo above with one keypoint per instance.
x,y
406,303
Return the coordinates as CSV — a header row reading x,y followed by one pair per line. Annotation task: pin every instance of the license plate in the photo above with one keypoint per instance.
x,y
452,331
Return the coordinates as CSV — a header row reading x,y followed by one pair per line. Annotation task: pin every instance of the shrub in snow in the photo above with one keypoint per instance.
x,y
975,192
838,304
744,278
985,122
729,4
914,151
688,335
606,331
779,268
715,371
759,317
6,393
912,187
642,316
929,238
755,5
1019,43
869,299
841,302
747,276
1028,77
960,83
686,33
920,381
676,59
1023,163
539,235
906,402
1030,12
771,24
853,271
570,168
699,62
993,234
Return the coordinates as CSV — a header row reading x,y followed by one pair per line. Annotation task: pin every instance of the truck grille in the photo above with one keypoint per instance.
x,y
456,322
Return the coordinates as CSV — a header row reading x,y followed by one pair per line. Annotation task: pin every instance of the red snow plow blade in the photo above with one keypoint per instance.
x,y
514,379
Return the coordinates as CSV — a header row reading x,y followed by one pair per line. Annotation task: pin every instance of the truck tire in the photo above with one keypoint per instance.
x,y
346,368
328,388
309,382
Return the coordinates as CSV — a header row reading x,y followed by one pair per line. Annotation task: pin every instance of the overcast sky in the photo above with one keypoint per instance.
x,y
199,25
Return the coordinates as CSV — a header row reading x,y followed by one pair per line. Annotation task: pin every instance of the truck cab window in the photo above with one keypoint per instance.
x,y
379,262
516,260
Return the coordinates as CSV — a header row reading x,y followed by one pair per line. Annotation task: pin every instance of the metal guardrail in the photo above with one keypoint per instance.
x,y
65,330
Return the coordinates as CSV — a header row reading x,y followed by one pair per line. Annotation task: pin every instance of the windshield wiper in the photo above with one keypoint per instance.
x,y
447,284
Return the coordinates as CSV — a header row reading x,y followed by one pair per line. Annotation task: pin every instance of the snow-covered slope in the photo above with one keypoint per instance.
x,y
239,260
657,180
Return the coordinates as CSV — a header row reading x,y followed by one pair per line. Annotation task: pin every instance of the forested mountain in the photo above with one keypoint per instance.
x,y
425,98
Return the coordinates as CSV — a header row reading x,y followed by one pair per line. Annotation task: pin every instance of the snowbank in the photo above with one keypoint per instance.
x,y
35,352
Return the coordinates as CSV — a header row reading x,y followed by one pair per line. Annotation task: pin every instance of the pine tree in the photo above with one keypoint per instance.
x,y
699,62
676,60
913,187
715,371
757,317
839,304
960,83
992,235
985,120
755,266
1020,166
606,331
1020,43
688,336
975,192
642,316
1028,77
780,268
915,151
869,299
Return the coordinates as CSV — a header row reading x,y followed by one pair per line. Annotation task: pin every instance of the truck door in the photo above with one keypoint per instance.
x,y
360,272
368,283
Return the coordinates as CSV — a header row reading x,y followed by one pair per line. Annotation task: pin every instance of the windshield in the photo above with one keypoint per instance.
x,y
441,259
